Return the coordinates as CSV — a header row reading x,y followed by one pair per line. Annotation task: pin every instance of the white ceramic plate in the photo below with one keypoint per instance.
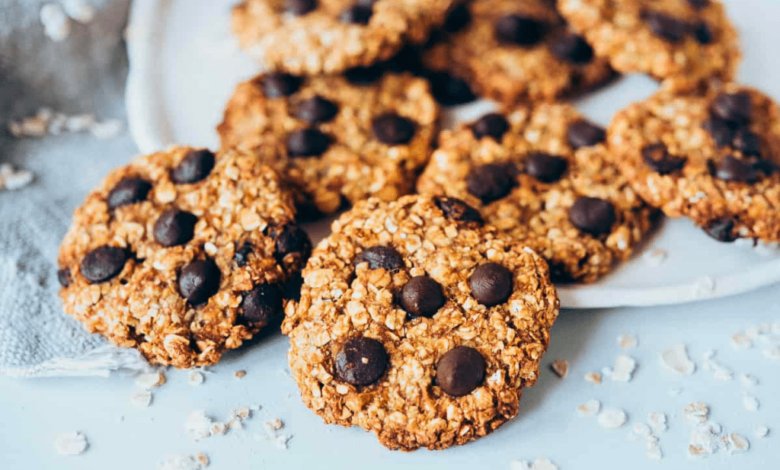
x,y
184,65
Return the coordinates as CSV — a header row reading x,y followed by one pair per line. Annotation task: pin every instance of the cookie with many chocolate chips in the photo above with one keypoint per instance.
x,y
182,254
311,37
513,50
336,138
684,42
542,174
420,323
713,158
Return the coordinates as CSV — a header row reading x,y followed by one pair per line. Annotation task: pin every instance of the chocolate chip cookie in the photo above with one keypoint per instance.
x,y
182,254
512,50
713,158
336,138
311,37
542,174
420,323
685,42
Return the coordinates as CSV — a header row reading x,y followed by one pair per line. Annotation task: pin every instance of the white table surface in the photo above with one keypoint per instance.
x,y
33,412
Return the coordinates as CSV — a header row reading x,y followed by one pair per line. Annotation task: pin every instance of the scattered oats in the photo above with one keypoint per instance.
x,y
274,425
655,257
195,378
739,443
79,10
141,399
560,367
241,414
240,374
593,377
183,462
589,408
761,431
612,418
218,429
624,367
750,403
748,380
657,421
696,412
71,443
203,459
150,380
107,130
706,439
56,24
674,392
676,358
703,287
627,341
198,425
11,179
718,371
741,341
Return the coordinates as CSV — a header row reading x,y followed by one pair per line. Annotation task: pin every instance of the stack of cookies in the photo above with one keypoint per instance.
x,y
422,317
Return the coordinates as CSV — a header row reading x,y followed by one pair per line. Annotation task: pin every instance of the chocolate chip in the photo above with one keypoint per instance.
x,y
455,209
546,168
307,143
583,133
722,133
103,264
657,157
748,143
516,29
357,14
301,7
64,277
317,110
491,284
383,257
361,361
573,48
703,33
735,108
199,280
491,125
128,191
449,90
665,26
593,215
460,370
699,4
195,166
490,182
422,297
392,129
261,304
364,75
407,60
457,18
292,288
292,239
279,85
174,228
737,170
722,230
242,255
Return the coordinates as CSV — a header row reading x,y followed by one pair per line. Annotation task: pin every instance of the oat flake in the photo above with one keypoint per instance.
x,y
739,443
589,408
696,412
627,341
761,431
624,367
750,403
676,358
150,381
657,421
593,377
141,399
195,378
612,418
72,443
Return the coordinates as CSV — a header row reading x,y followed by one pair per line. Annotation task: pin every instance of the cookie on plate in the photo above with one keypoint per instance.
x,y
311,37
418,322
336,138
685,41
543,174
713,158
512,50
182,254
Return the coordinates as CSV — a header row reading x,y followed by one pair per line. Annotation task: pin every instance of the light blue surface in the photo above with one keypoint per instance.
x,y
33,412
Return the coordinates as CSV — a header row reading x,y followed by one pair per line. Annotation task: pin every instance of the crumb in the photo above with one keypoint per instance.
x,y
657,421
655,257
198,425
589,408
282,441
560,367
274,425
676,359
627,341
195,378
741,341
240,374
150,380
739,442
761,431
11,179
203,459
612,418
624,368
141,399
72,443
696,412
593,377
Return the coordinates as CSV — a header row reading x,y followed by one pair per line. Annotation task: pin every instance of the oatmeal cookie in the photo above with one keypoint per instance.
x,y
543,174
182,254
335,138
311,37
713,158
513,50
419,323
684,42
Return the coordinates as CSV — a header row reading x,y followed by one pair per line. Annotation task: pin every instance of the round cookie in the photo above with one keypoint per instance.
x,y
335,138
542,174
513,50
713,158
688,42
419,323
311,37
182,254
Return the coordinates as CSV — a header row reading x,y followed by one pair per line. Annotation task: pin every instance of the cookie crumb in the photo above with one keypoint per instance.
x,y
56,24
560,367
195,378
240,374
589,408
627,341
141,399
274,425
72,443
738,442
612,418
676,358
593,377
150,380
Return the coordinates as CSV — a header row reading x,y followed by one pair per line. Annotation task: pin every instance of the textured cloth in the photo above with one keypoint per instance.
x,y
85,73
